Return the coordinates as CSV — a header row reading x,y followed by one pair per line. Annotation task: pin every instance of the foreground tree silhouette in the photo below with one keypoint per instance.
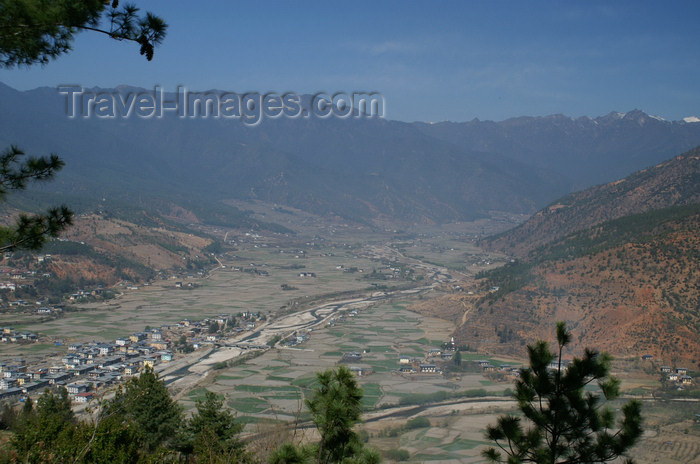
x,y
48,432
36,32
564,424
336,407
213,432
146,402
30,232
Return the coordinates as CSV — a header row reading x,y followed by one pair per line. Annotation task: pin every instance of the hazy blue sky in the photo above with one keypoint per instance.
x,y
432,61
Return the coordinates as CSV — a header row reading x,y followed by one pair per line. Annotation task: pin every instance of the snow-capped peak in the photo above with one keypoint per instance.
x,y
691,119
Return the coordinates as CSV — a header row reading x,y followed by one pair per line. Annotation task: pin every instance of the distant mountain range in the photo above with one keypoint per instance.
x,y
618,262
365,170
585,151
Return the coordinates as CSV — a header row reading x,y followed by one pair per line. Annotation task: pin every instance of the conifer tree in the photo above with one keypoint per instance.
x,y
46,433
214,431
146,402
35,32
30,232
336,407
38,31
562,422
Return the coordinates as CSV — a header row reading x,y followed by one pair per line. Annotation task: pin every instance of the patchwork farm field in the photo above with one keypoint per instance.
x,y
433,418
270,389
224,290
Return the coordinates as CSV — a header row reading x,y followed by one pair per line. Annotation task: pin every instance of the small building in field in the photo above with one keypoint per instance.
x,y
427,368
84,397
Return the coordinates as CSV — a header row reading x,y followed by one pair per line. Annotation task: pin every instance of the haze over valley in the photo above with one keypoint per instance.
x,y
231,261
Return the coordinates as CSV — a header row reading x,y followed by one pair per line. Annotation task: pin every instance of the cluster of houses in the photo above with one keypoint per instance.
x,y
349,270
10,335
8,286
83,295
390,272
89,366
341,318
197,332
506,369
13,278
355,357
410,365
678,375
16,378
296,339
21,278
361,371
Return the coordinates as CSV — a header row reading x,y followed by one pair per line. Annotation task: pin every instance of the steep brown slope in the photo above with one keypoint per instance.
x,y
674,182
153,246
99,249
630,287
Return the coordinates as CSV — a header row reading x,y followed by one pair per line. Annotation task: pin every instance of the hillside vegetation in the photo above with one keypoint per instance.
x,y
102,250
629,286
619,262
